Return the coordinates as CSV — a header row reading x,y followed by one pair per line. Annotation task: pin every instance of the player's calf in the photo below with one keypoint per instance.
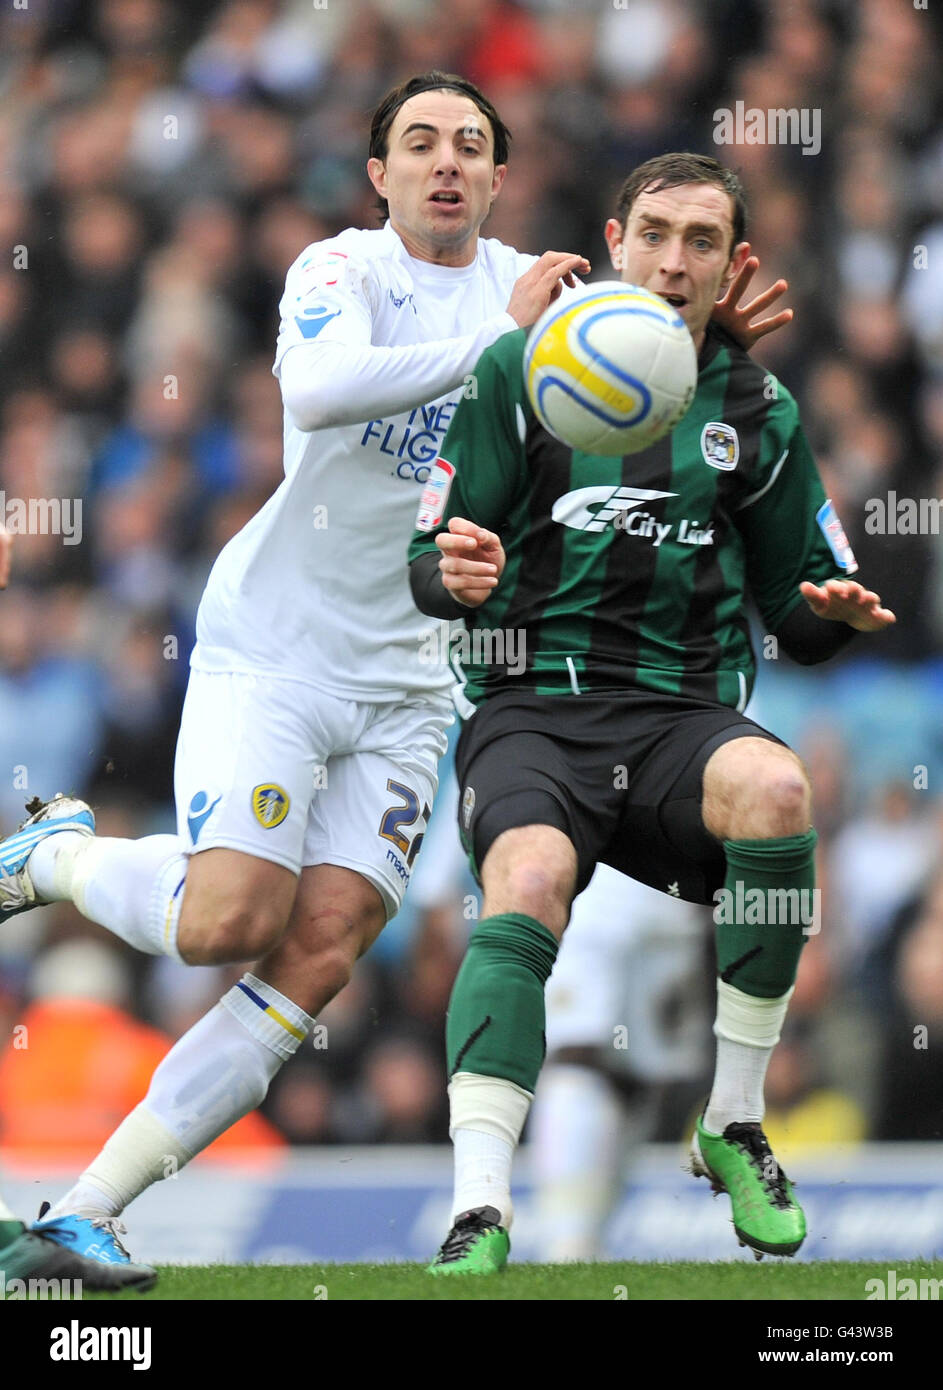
x,y
337,915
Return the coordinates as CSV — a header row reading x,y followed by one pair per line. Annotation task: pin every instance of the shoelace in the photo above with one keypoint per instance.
x,y
460,1237
752,1138
113,1227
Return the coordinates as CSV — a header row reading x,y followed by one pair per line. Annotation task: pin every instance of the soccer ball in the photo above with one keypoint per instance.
x,y
610,369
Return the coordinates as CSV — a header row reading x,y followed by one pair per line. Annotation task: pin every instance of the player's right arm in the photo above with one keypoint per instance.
x,y
332,373
472,561
456,557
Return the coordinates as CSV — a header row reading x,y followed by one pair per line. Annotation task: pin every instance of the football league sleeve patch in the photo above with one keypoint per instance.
x,y
324,301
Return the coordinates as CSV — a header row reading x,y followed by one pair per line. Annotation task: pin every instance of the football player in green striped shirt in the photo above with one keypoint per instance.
x,y
608,660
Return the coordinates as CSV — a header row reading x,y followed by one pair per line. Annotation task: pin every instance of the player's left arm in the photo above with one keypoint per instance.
x,y
735,317
799,562
847,601
456,557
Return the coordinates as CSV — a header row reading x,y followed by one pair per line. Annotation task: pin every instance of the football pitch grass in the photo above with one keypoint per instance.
x,y
719,1281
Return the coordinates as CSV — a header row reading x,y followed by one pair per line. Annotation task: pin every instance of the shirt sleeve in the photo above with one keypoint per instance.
x,y
329,370
809,640
791,532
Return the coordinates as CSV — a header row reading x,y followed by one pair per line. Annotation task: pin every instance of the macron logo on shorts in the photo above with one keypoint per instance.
x,y
199,813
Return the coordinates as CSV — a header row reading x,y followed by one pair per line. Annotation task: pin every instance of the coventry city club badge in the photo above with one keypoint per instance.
x,y
720,446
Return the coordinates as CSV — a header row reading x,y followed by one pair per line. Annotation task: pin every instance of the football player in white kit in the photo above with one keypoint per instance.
x,y
313,721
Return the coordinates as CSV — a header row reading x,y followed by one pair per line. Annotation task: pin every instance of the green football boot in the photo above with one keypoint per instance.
x,y
766,1215
476,1244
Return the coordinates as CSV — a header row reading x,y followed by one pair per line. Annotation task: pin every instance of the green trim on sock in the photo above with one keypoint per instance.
x,y
787,854
496,1018
765,913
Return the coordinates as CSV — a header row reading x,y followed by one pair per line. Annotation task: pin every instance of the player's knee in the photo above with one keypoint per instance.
x,y
235,932
777,800
533,885
756,792
788,791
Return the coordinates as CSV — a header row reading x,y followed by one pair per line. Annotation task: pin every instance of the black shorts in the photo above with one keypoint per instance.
x,y
619,774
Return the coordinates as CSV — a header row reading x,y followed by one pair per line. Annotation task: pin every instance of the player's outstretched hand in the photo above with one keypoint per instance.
x,y
844,601
538,287
735,317
472,561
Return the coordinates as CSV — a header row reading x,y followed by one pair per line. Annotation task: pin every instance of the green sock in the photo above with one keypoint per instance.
x,y
496,1018
9,1232
766,910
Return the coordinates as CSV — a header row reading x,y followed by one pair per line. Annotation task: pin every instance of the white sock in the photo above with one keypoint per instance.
x,y
737,1093
747,1029
583,1132
482,1174
218,1071
487,1116
132,887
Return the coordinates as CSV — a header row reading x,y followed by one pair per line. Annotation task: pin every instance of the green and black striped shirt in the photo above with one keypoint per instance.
x,y
634,571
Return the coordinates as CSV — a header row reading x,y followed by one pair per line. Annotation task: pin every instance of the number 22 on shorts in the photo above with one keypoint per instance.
x,y
405,814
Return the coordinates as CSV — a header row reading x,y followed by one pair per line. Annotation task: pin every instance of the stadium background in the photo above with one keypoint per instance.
x,y
162,165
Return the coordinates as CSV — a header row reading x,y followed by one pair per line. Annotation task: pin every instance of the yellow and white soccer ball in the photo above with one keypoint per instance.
x,y
610,369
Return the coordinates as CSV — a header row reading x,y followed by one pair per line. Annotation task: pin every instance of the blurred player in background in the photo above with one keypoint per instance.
x,y
307,755
647,673
626,1014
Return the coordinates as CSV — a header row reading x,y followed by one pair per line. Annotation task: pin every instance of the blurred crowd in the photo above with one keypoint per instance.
x,y
161,166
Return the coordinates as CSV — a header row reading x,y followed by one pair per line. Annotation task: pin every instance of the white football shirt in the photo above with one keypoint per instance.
x,y
315,587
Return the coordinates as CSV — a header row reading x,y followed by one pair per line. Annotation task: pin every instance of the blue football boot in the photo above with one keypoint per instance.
x,y
94,1239
17,893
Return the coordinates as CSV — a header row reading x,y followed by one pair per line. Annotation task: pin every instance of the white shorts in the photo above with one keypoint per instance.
x,y
629,979
277,769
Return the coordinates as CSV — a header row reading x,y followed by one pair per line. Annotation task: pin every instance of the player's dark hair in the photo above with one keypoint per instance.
x,y
670,170
434,81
